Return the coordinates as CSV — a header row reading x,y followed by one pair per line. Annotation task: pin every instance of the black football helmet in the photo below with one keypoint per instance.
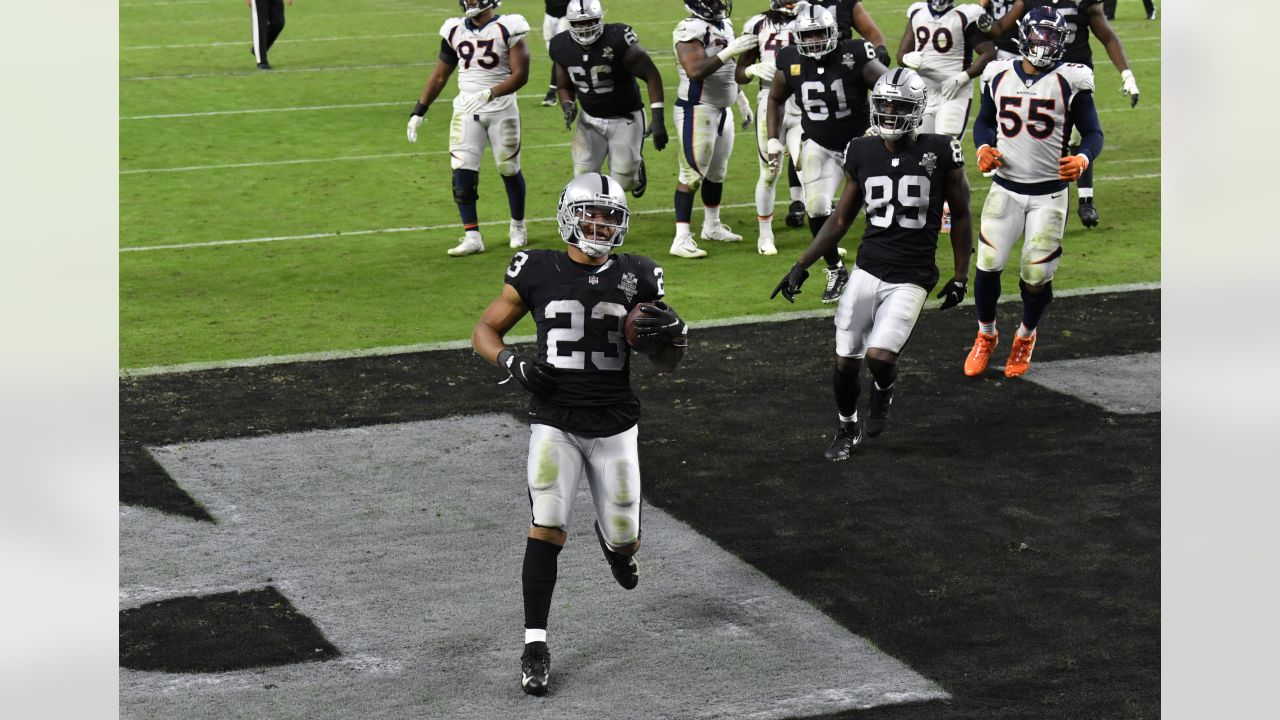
x,y
786,7
471,10
713,10
1042,36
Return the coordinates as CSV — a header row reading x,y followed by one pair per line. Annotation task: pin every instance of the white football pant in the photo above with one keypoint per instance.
x,y
767,183
705,133
619,139
470,133
1007,216
557,462
875,314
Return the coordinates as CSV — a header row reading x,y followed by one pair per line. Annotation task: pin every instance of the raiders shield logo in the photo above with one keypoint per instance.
x,y
628,285
607,53
929,161
848,60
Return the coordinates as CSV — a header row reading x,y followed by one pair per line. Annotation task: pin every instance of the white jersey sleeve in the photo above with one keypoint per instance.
x,y
721,87
1079,77
516,25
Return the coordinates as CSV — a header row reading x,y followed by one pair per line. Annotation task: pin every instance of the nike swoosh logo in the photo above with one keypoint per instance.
x,y
1055,197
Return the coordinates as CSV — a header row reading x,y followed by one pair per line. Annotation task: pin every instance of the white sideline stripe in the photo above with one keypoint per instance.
x,y
304,161
524,339
425,228
224,43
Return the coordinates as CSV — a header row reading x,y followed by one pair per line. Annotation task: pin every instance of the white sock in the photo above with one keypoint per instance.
x,y
531,635
1024,332
797,194
474,235
766,228
682,228
1083,192
712,215
848,418
518,224
765,196
987,328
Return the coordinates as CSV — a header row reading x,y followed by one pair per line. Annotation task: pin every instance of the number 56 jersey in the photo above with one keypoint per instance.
x,y
903,193
482,54
579,311
1033,120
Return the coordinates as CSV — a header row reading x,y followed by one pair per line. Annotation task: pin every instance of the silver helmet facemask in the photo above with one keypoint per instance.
x,y
586,21
593,214
815,31
898,101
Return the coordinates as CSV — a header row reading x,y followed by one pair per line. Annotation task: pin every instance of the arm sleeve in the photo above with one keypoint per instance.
x,y
448,55
984,126
1085,117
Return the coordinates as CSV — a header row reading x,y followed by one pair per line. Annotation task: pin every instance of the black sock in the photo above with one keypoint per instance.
x,y
684,206
539,580
515,194
986,293
832,256
712,194
884,372
1034,303
847,385
465,194
793,178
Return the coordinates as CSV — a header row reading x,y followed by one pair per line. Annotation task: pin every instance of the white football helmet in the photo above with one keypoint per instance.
x,y
586,20
815,31
897,103
941,6
479,6
593,214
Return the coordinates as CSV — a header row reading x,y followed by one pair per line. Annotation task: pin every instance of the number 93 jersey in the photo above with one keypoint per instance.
x,y
830,90
903,193
481,54
604,85
1033,119
579,311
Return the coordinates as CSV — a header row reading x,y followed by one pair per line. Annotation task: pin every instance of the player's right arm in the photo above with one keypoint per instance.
x,y
638,61
984,130
448,60
501,315
828,236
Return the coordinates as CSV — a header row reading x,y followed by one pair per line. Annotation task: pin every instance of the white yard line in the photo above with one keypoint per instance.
x,y
307,161
255,71
461,344
225,43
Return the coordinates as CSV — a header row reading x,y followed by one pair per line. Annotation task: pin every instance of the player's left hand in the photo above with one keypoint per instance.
x,y
474,101
951,86
659,131
953,292
661,321
744,107
913,59
790,285
773,150
1129,87
570,110
1072,167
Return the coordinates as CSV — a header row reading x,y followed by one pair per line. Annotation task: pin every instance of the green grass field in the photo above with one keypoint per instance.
x,y
333,228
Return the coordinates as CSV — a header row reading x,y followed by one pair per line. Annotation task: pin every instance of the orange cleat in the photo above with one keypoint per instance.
x,y
978,357
1020,355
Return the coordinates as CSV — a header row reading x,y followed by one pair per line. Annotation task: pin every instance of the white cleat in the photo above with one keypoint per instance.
x,y
467,246
684,246
519,236
721,232
765,246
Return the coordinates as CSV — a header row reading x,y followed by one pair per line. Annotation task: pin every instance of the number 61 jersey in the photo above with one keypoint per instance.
x,y
904,193
482,54
579,311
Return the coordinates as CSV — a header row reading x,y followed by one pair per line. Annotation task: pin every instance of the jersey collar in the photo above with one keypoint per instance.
x,y
1030,80
477,28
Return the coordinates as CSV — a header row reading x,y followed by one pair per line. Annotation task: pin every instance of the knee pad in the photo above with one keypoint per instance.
x,y
1044,296
510,167
466,186
882,369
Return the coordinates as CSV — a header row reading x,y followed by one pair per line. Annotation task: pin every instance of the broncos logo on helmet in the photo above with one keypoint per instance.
x,y
1042,36
713,10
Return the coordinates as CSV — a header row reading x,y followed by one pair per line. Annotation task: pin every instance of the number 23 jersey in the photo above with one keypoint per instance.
x,y
579,311
903,193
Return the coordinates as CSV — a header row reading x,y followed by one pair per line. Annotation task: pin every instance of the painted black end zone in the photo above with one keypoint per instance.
x,y
999,538
144,482
217,633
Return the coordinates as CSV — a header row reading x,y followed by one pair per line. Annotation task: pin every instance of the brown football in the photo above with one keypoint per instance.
x,y
645,346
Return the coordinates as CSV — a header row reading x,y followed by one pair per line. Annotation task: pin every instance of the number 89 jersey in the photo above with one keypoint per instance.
x,y
579,311
903,193
481,54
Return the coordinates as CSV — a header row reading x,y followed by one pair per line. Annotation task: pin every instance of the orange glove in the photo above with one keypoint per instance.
x,y
989,158
1072,166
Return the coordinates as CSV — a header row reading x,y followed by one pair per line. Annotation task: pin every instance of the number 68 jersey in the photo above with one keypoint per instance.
x,y
1033,120
482,54
579,311
903,193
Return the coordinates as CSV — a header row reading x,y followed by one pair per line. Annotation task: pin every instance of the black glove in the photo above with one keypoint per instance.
x,y
659,136
882,54
570,110
790,285
537,377
954,292
661,321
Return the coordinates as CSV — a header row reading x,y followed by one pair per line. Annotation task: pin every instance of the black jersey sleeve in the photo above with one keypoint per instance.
x,y
524,272
788,61
950,154
623,37
448,55
556,8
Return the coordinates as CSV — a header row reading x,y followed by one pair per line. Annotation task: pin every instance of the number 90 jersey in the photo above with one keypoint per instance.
x,y
601,80
579,311
1033,116
481,54
903,193
945,41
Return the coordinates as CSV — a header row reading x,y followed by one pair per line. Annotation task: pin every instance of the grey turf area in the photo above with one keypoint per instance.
x,y
404,544
1124,384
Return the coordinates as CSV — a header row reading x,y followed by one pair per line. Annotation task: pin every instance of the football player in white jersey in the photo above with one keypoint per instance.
x,y
493,61
939,43
1029,107
706,53
772,29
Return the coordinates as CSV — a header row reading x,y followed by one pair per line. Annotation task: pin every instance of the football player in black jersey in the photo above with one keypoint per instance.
x,y
599,64
903,177
851,15
582,410
1081,16
553,23
830,78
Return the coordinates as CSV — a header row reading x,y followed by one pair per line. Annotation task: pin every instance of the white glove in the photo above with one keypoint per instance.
x,y
1129,87
773,152
952,86
737,46
414,122
913,59
473,102
763,70
744,108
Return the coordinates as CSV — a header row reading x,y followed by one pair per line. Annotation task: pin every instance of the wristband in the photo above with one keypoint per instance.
x,y
655,106
1126,74
504,355
419,109
725,56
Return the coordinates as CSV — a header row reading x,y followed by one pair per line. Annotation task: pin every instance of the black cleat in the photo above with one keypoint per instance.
x,y
878,414
550,99
264,66
535,668
642,181
795,214
837,278
846,439
1088,213
625,570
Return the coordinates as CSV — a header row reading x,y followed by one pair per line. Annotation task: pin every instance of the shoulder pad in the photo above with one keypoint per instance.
x,y
1079,76
916,7
690,29
970,12
647,273
449,27
515,24
753,23
994,68
621,34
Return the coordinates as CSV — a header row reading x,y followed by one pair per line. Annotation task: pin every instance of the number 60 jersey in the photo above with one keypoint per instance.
x,y
904,193
579,311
